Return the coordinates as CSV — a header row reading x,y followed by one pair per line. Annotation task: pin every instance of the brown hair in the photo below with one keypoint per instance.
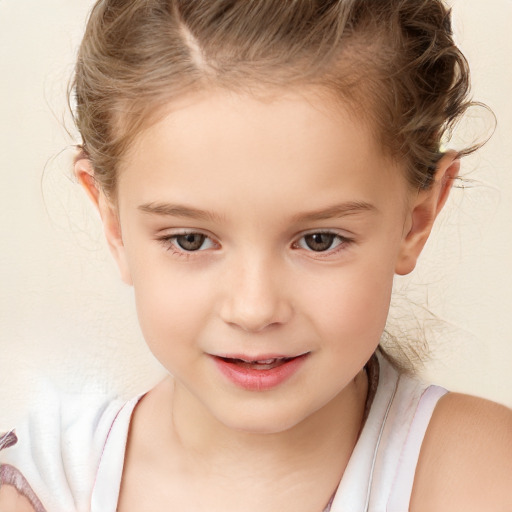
x,y
393,62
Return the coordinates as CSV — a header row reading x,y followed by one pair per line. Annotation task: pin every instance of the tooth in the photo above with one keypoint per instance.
x,y
266,361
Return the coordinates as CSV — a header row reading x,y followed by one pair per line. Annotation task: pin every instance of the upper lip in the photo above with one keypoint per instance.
x,y
258,357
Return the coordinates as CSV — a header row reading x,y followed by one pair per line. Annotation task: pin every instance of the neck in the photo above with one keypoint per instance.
x,y
174,441
325,439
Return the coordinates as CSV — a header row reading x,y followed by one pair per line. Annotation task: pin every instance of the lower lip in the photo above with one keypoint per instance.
x,y
259,380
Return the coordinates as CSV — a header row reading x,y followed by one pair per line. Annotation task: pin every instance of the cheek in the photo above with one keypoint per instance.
x,y
353,304
170,307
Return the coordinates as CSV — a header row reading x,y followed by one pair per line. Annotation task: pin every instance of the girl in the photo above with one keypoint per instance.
x,y
263,169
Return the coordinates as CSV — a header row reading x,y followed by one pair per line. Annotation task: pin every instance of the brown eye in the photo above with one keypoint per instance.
x,y
190,241
320,242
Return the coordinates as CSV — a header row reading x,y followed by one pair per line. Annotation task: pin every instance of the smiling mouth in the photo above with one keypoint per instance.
x,y
263,364
260,374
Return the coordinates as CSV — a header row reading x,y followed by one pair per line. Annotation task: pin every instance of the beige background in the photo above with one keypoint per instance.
x,y
64,313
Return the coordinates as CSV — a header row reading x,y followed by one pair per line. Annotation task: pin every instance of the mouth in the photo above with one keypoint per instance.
x,y
259,364
261,373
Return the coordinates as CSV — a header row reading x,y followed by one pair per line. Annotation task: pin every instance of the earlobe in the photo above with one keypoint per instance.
x,y
108,213
424,211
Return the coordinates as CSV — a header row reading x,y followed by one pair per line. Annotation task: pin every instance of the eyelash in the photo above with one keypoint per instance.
x,y
342,243
169,242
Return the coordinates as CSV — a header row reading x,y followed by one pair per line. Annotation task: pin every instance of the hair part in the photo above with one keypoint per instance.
x,y
392,62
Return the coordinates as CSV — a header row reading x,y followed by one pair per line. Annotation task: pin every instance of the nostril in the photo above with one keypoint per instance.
x,y
253,301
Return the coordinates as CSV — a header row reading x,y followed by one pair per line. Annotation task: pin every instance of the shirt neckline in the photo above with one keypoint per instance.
x,y
107,484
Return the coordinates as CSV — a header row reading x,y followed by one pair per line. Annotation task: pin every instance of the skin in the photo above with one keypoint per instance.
x,y
12,501
256,178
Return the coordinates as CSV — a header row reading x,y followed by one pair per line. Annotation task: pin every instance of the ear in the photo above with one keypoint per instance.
x,y
108,213
423,212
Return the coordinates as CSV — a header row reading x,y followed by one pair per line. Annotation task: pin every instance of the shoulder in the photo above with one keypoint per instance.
x,y
59,445
465,461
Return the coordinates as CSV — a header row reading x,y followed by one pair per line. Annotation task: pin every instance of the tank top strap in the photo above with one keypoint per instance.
x,y
107,485
353,493
402,436
380,474
401,490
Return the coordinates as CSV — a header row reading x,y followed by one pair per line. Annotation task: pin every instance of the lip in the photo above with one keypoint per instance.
x,y
236,368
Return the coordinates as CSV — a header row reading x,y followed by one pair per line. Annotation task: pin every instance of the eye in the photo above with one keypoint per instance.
x,y
188,242
321,241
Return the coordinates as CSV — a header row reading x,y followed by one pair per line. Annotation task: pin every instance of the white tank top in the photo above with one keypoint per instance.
x,y
380,474
71,450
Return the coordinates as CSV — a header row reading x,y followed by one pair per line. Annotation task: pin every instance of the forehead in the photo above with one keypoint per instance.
x,y
227,143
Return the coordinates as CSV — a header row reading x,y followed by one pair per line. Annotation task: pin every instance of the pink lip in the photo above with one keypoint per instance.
x,y
254,379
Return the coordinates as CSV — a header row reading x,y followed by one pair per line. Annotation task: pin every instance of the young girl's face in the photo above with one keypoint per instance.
x,y
263,231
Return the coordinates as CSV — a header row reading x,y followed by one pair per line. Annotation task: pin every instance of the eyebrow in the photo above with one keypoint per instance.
x,y
332,212
177,210
336,211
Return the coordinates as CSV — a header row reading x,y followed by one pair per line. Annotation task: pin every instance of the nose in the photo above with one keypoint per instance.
x,y
256,296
